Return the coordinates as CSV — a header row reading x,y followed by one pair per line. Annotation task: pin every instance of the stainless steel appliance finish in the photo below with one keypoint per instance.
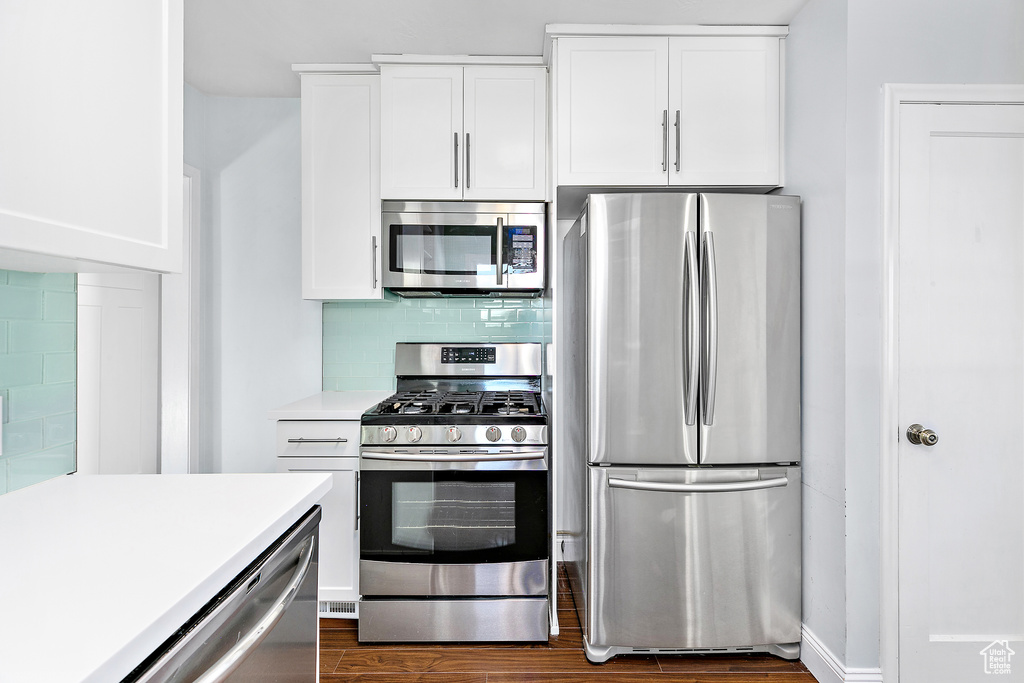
x,y
509,619
714,563
454,498
262,627
500,578
464,248
684,321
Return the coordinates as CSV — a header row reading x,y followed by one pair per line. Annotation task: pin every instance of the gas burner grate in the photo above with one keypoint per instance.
x,y
510,403
461,403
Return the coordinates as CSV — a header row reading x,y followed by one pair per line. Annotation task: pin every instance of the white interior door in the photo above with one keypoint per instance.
x,y
960,361
118,352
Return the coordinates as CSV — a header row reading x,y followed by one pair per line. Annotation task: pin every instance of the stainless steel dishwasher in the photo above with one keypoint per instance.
x,y
262,627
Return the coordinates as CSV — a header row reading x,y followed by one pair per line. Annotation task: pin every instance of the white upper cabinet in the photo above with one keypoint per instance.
x,y
612,99
91,162
340,185
463,132
724,94
694,110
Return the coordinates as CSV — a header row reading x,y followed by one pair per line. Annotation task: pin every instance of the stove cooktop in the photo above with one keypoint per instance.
x,y
473,406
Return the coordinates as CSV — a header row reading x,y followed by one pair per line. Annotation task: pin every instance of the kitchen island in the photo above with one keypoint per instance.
x,y
98,571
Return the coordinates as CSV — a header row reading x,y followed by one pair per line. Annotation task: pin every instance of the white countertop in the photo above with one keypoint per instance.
x,y
330,405
97,571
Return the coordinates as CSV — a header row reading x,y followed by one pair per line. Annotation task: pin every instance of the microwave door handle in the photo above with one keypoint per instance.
x,y
501,255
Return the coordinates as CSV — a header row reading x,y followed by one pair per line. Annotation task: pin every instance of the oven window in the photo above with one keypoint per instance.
x,y
444,249
453,516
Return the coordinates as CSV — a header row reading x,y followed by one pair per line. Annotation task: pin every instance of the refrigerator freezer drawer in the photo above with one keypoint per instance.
x,y
693,558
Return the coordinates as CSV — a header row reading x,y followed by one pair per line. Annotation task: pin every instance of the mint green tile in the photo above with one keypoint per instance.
x,y
21,369
528,315
20,303
394,314
53,281
503,315
59,429
450,315
380,355
338,370
32,468
3,336
60,306
539,303
419,315
40,401
360,315
460,302
59,367
3,277
491,303
32,337
23,437
434,303
518,329
461,330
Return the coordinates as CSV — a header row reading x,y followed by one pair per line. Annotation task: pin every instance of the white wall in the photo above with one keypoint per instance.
x,y
834,153
816,170
894,41
264,341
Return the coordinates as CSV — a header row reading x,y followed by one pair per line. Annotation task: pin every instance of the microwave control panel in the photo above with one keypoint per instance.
x,y
520,249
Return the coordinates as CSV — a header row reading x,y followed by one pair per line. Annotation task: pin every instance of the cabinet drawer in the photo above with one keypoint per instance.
x,y
305,438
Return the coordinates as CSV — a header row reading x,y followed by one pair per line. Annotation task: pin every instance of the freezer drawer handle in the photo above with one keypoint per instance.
x,y
304,440
475,457
711,487
237,654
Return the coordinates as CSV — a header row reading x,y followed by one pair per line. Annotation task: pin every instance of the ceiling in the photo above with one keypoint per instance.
x,y
246,47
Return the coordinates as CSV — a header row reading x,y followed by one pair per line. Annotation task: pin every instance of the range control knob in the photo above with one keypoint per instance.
x,y
518,434
388,434
493,433
453,434
414,434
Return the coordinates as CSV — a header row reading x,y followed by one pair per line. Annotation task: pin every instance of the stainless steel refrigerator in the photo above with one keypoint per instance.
x,y
683,425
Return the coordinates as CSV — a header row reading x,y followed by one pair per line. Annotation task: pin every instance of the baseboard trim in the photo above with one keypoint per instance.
x,y
826,667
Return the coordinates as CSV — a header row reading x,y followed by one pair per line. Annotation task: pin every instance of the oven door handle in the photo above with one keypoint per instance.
x,y
462,457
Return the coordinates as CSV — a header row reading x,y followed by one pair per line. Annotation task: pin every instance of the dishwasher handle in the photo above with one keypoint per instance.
x,y
234,657
707,487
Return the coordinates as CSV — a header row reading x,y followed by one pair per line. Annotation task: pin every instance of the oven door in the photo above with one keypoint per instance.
x,y
442,251
468,524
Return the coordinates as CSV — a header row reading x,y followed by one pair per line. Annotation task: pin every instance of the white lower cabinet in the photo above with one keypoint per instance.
x,y
330,446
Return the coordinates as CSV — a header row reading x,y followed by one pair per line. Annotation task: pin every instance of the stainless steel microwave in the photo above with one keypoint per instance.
x,y
464,248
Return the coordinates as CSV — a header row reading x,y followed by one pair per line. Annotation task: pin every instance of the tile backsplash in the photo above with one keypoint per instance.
x,y
359,337
38,314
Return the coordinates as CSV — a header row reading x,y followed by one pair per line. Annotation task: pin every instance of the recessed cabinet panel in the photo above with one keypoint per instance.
x,y
91,141
420,131
612,101
505,111
726,91
340,186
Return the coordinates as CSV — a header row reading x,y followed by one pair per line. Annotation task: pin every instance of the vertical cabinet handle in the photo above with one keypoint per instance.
x,y
677,140
456,159
664,140
357,501
373,262
467,161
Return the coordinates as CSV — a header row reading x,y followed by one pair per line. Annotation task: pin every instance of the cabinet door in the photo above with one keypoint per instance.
x,y
505,113
341,187
421,131
612,106
91,141
339,535
725,92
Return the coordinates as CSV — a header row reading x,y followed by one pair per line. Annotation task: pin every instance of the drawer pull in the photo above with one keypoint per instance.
x,y
304,440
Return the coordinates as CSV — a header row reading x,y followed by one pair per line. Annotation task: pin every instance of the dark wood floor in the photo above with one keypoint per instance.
x,y
560,660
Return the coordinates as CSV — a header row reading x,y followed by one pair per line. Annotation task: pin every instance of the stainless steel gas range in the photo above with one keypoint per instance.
x,y
454,498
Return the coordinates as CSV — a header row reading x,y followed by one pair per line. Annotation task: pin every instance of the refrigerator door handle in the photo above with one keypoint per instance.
x,y
691,316
710,292
709,487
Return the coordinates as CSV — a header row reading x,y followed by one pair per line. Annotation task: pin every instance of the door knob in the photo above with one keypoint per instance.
x,y
916,434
